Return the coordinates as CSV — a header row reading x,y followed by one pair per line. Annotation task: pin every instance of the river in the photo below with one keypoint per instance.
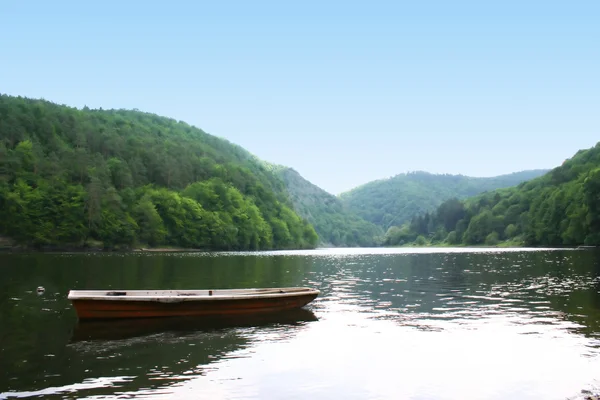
x,y
388,324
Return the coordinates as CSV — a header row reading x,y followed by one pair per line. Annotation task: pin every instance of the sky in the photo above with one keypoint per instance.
x,y
344,92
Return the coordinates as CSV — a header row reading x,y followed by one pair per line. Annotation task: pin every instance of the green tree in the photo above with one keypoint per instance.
x,y
492,239
511,231
151,227
117,176
452,238
421,241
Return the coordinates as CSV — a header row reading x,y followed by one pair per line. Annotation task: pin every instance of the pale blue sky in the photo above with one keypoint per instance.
x,y
344,92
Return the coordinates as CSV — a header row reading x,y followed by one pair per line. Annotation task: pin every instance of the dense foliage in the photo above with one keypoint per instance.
x,y
334,224
125,178
393,201
561,208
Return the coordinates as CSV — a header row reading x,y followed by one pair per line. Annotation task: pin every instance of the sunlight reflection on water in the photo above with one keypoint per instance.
x,y
389,324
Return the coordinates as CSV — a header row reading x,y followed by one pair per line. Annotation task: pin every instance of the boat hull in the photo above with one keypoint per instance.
x,y
188,307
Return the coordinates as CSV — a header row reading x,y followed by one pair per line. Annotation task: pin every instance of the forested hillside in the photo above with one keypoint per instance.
x,y
334,224
393,201
561,208
125,178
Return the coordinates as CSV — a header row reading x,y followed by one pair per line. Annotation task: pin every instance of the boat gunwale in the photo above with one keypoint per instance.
x,y
174,296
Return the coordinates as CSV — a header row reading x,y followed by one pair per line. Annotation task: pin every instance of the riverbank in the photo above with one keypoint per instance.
x,y
9,245
506,244
503,245
95,249
166,250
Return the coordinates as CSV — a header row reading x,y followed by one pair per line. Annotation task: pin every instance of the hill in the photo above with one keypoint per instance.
x,y
334,224
561,208
393,201
125,178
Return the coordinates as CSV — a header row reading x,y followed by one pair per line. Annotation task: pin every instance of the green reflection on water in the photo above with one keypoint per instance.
x,y
42,345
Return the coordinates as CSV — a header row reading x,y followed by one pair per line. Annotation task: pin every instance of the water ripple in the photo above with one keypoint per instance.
x,y
389,323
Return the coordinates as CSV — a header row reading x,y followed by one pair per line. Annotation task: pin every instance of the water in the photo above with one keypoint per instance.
x,y
389,324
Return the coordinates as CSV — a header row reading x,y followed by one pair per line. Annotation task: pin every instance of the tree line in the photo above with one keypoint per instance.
x,y
393,201
122,178
335,225
560,208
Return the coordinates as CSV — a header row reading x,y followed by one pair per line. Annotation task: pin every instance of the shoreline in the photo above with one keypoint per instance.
x,y
493,246
94,249
98,249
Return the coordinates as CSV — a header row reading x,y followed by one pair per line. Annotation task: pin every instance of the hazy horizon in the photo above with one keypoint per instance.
x,y
433,173
345,93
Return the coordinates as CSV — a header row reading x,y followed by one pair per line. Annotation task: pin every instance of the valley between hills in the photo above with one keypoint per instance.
x,y
124,179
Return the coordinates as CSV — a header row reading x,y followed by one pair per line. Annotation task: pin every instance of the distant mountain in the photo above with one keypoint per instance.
x,y
560,208
333,223
393,201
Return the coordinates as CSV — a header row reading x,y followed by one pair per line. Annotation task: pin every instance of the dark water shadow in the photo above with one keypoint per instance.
x,y
130,328
114,357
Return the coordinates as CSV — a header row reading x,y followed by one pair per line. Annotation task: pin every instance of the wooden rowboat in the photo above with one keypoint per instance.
x,y
95,304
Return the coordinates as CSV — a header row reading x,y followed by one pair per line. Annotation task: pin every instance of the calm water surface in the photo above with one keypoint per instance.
x,y
389,324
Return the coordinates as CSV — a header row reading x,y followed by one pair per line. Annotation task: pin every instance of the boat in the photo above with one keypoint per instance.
x,y
109,304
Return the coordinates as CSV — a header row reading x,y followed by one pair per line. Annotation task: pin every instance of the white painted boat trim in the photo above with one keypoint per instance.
x,y
176,296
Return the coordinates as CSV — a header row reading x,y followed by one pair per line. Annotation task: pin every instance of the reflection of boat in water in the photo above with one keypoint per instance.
x,y
90,304
152,354
127,328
